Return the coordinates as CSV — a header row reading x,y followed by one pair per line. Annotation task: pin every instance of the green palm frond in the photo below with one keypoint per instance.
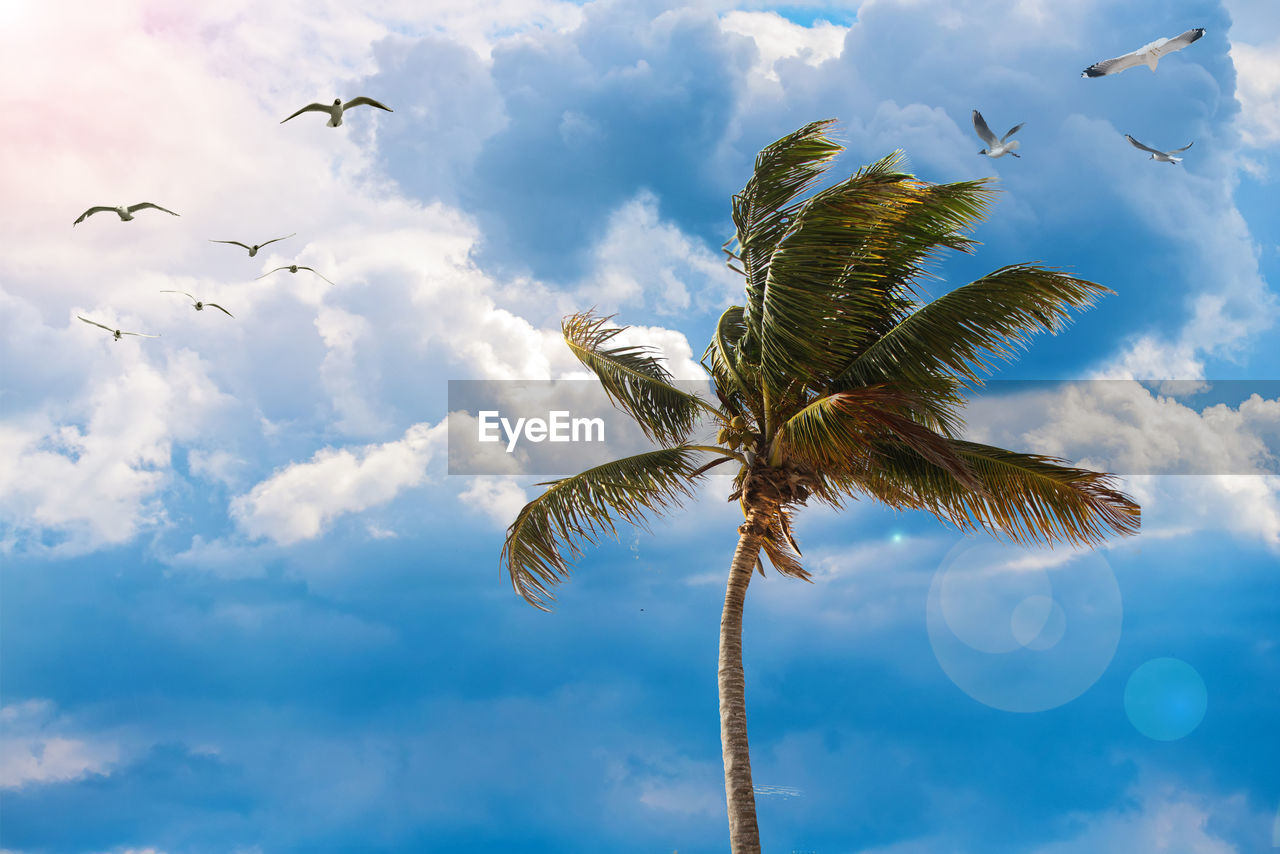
x,y
585,507
845,431
731,372
845,274
959,333
1028,497
763,212
633,378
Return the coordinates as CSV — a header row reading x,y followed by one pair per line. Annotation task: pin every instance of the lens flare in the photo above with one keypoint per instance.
x,y
1023,629
1165,699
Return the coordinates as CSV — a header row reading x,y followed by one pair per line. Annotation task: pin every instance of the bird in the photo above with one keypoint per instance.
x,y
199,304
292,268
1162,156
1148,54
125,213
995,147
115,333
337,108
253,250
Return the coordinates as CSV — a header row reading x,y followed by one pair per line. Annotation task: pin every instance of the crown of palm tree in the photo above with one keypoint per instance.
x,y
835,379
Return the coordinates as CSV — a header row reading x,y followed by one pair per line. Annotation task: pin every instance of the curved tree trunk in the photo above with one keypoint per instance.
x,y
744,835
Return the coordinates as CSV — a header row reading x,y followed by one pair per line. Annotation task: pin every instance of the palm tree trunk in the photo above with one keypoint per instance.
x,y
744,835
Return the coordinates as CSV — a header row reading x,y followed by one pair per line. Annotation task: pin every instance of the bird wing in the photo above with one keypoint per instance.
x,y
140,205
1137,144
362,100
313,270
1178,42
980,125
1114,66
269,272
232,242
321,108
1184,148
184,293
1012,131
140,335
90,212
269,242
96,323
219,308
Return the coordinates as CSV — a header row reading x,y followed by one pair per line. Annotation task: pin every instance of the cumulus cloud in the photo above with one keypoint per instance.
x,y
297,502
501,499
1255,53
37,749
1167,820
777,39
92,472
642,259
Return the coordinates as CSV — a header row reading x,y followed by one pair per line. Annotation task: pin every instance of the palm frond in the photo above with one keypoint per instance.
x,y
1028,497
764,210
961,332
844,431
586,506
730,371
845,274
779,545
633,378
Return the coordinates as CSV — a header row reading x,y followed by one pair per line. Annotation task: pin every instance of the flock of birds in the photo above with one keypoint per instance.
x,y
1148,55
126,214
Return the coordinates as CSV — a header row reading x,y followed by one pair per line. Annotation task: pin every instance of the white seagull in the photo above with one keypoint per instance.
x,y
1162,156
995,147
292,268
336,109
1148,54
115,333
199,304
253,250
125,213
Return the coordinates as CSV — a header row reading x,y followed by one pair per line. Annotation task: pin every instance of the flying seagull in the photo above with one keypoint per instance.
x,y
995,147
125,213
336,109
1162,156
253,250
199,305
1148,54
116,333
292,268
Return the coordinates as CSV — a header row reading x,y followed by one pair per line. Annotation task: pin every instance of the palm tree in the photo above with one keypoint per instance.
x,y
834,379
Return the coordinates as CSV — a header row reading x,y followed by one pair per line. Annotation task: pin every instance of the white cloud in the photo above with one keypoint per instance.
x,y
30,753
777,39
501,499
1166,821
93,471
1255,52
642,259
297,502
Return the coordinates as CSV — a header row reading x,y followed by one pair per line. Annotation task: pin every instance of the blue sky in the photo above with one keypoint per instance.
x,y
243,607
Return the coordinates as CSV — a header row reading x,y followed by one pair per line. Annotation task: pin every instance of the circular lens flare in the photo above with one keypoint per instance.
x,y
1165,699
1023,629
